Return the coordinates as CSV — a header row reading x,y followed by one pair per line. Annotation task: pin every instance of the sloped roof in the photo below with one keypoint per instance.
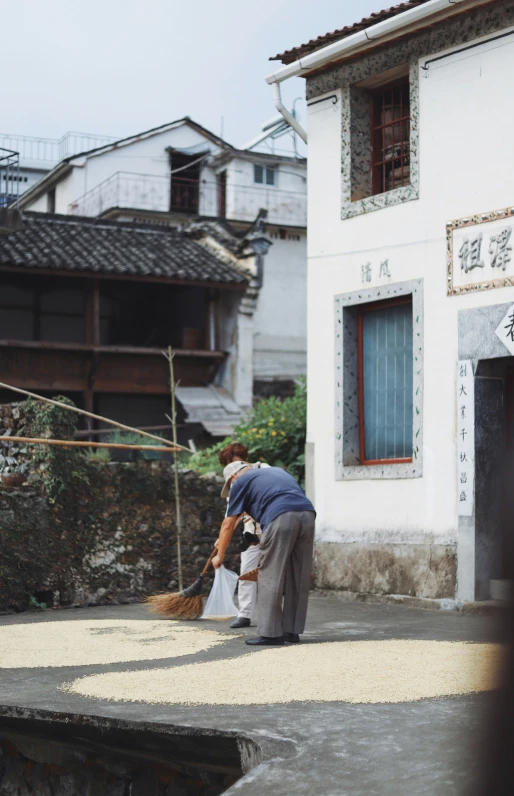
x,y
65,165
288,56
153,131
84,245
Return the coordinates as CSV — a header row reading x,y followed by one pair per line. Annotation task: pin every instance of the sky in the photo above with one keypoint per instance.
x,y
118,67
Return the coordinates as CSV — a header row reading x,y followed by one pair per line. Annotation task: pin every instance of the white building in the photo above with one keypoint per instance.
x,y
38,156
181,172
411,297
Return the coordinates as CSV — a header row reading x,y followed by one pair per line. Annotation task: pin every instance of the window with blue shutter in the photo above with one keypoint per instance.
x,y
385,382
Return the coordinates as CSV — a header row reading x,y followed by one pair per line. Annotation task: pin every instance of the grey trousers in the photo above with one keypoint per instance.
x,y
286,552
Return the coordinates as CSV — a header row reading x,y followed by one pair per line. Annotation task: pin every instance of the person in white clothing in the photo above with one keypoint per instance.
x,y
251,546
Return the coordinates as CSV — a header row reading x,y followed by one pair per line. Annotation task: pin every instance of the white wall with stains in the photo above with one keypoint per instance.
x,y
366,527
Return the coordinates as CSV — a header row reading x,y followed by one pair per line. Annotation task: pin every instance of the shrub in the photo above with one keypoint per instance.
x,y
133,438
273,432
98,455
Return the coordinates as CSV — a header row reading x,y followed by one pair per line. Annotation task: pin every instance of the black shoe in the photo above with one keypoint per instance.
x,y
292,638
262,641
241,621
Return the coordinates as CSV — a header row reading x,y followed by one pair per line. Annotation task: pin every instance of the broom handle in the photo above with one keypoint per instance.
x,y
206,567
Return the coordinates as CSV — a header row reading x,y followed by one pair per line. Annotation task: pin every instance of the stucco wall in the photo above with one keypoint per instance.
x,y
280,321
458,176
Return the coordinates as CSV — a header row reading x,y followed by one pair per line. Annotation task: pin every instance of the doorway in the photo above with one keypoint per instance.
x,y
494,473
222,194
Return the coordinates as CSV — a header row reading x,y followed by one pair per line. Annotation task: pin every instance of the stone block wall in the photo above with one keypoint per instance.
x,y
119,546
83,532
11,424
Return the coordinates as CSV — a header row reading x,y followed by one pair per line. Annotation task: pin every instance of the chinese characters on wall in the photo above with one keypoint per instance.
x,y
479,252
499,251
369,272
465,438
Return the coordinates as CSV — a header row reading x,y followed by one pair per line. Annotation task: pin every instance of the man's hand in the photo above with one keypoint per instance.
x,y
217,562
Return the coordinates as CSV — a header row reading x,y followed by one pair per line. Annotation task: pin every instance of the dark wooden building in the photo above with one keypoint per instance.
x,y
87,307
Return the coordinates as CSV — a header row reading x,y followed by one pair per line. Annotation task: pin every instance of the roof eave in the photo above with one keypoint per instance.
x,y
45,183
382,32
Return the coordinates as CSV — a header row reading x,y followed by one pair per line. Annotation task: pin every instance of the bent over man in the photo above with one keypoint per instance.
x,y
275,500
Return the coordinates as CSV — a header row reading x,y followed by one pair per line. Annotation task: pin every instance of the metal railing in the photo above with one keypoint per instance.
x,y
52,150
9,177
124,189
196,197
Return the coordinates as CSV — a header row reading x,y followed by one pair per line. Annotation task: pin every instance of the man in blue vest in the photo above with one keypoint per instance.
x,y
275,500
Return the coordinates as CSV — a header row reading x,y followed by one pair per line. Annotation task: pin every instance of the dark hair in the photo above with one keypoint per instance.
x,y
233,452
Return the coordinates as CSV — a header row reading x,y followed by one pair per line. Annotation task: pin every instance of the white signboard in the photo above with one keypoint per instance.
x,y
465,438
480,252
505,330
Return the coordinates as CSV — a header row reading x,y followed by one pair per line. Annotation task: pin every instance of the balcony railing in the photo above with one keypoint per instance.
x,y
9,177
52,150
200,197
124,189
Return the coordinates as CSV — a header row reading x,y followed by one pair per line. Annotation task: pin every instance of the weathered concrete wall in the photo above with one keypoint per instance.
x,y
416,570
86,757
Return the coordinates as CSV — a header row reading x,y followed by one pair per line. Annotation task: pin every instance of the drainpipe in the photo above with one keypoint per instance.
x,y
339,48
277,99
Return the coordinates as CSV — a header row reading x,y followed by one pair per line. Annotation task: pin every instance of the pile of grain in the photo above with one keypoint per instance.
x,y
98,641
352,671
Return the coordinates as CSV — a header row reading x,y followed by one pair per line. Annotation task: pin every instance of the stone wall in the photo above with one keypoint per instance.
x,y
121,545
83,532
11,424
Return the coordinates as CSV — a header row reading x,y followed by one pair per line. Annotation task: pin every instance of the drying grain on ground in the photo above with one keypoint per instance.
x,y
99,641
354,671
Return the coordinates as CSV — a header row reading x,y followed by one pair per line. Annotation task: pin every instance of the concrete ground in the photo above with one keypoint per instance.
x,y
308,749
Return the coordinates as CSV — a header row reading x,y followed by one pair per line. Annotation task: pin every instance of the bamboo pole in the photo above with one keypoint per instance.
x,y
93,416
73,443
175,469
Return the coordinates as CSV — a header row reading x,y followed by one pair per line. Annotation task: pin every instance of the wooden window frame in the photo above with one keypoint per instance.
x,y
361,311
38,314
378,167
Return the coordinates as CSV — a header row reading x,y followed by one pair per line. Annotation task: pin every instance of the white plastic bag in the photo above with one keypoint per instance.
x,y
220,603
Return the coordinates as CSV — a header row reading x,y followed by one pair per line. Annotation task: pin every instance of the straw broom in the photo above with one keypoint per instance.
x,y
185,604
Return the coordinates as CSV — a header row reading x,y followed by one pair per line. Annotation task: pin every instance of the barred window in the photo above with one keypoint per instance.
x,y
390,140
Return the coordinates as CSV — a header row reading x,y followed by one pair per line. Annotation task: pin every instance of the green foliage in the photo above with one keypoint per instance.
x,y
33,603
60,468
98,455
133,438
273,432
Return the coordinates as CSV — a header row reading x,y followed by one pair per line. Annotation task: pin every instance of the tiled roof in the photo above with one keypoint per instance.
x,y
295,53
57,243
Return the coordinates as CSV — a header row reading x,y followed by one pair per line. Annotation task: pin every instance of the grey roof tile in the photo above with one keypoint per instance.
x,y
57,243
289,56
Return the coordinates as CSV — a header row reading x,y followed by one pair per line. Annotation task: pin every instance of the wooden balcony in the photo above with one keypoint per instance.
x,y
67,367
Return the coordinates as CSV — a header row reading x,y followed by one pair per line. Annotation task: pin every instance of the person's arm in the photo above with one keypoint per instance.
x,y
227,529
